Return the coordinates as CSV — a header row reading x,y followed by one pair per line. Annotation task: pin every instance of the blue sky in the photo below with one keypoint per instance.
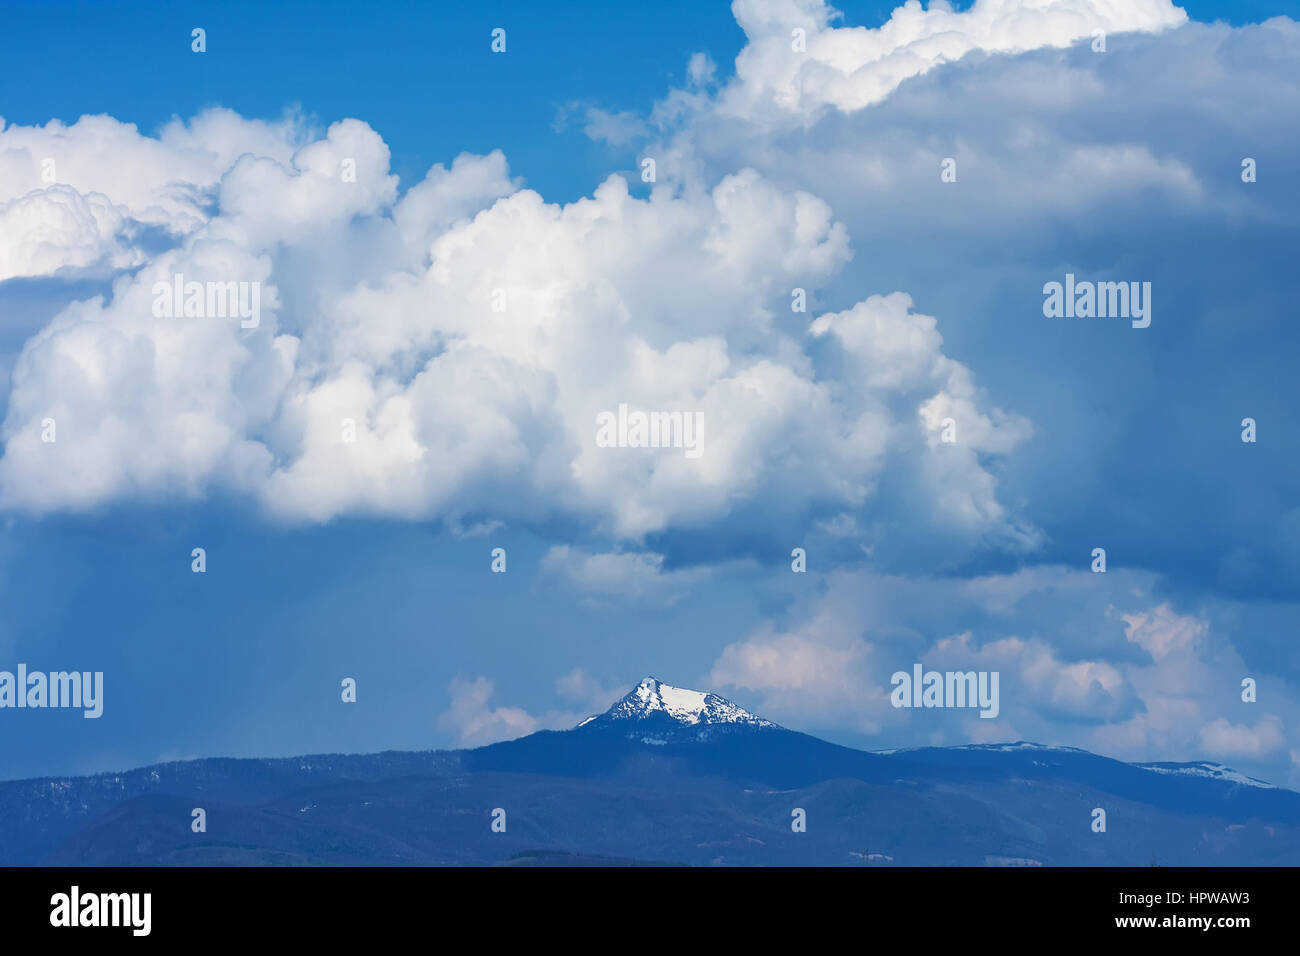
x,y
1093,434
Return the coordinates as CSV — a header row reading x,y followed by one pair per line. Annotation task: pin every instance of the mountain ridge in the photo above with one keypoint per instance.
x,y
664,774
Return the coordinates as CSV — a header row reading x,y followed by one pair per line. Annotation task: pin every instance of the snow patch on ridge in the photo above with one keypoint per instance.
x,y
1212,771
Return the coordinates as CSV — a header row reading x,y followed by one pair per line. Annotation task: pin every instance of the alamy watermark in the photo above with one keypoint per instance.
x,y
1102,300
637,429
208,300
71,689
923,688
75,908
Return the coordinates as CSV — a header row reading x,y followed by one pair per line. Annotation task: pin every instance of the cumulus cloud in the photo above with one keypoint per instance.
x,y
1086,691
1162,631
1153,691
470,332
897,351
1066,160
472,720
142,405
58,229
807,673
446,352
870,114
1235,741
168,180
778,77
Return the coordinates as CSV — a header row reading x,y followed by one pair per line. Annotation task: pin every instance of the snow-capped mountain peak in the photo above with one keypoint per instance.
x,y
652,699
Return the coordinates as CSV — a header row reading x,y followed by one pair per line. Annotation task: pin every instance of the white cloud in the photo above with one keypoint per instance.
x,y
1161,631
327,183
849,68
830,666
57,229
379,310
144,405
166,181
821,671
471,720
582,689
381,315
474,722
617,129
1221,738
1053,128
